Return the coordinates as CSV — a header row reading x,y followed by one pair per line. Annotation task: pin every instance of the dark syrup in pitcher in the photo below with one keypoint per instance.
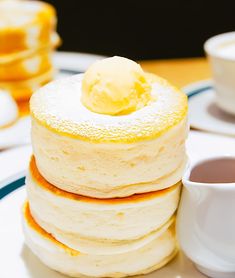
x,y
219,170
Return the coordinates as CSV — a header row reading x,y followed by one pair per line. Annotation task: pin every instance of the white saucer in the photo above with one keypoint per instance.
x,y
16,258
67,63
203,112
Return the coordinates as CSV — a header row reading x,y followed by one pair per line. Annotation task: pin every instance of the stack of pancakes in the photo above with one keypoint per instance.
x,y
27,40
103,190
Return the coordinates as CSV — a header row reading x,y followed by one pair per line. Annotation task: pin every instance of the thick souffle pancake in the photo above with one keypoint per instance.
x,y
105,225
60,257
27,68
139,148
27,39
25,25
9,58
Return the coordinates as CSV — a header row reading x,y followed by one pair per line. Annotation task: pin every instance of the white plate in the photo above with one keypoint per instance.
x,y
67,63
18,261
203,112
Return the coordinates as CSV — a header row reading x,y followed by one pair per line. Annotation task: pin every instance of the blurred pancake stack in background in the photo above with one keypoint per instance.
x,y
27,39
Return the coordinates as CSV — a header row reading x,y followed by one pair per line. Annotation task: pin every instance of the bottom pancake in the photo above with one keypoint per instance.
x,y
71,262
79,221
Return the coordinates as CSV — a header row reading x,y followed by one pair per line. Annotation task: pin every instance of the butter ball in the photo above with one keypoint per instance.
x,y
115,86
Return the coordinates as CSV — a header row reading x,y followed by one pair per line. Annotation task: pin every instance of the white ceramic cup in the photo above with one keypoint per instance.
x,y
221,53
206,225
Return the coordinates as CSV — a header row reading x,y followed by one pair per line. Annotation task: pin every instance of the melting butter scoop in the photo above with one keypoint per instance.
x,y
115,86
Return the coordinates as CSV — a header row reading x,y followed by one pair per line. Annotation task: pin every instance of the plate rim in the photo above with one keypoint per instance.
x,y
13,184
197,87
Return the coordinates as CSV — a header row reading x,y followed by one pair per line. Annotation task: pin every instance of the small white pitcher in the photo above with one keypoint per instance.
x,y
206,225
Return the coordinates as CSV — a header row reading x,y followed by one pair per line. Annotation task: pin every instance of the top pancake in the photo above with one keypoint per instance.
x,y
57,106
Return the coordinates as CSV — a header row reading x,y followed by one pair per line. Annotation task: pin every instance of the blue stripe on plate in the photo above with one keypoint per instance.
x,y
7,189
198,91
70,72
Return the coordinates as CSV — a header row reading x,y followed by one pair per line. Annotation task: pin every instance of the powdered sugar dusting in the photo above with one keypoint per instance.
x,y
58,106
